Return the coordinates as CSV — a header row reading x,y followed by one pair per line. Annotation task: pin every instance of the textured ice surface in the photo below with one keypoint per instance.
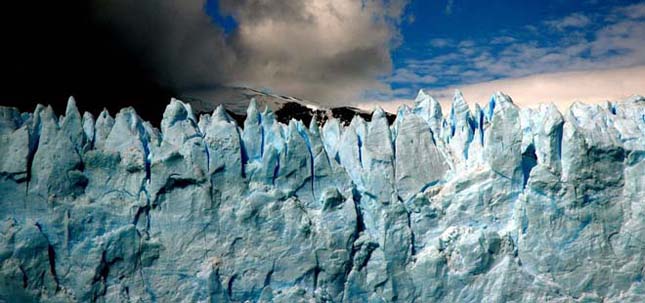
x,y
494,204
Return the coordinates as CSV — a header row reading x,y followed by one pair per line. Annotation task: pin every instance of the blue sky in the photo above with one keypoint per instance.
x,y
457,43
525,47
451,43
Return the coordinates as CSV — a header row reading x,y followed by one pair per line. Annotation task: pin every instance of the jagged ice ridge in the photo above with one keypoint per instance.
x,y
499,204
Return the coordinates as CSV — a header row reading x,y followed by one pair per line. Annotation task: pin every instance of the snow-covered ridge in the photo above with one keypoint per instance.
x,y
495,204
237,99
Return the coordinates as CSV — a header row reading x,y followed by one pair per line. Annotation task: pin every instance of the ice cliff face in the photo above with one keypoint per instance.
x,y
499,204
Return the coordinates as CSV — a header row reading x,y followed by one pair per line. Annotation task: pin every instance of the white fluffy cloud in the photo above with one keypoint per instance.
x,y
332,52
575,20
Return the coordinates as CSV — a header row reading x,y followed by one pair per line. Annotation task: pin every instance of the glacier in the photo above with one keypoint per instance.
x,y
491,204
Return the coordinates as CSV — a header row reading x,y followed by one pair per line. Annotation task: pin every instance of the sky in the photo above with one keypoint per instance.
x,y
384,51
336,52
536,51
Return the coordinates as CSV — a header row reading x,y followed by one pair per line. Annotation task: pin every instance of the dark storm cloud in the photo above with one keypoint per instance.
x,y
175,40
54,49
118,53
324,50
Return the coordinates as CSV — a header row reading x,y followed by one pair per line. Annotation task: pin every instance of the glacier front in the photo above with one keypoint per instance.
x,y
494,204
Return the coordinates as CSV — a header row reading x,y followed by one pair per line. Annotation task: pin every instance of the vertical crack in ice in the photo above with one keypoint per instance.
x,y
529,161
242,151
480,115
208,156
202,134
316,272
67,232
51,256
25,277
559,131
276,170
267,278
143,210
144,139
303,133
262,139
453,122
34,141
229,286
412,235
358,231
359,142
491,108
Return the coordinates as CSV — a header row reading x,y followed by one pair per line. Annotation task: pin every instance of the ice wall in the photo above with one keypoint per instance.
x,y
495,204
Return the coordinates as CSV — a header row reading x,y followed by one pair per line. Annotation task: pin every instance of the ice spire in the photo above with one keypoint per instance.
x,y
461,128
